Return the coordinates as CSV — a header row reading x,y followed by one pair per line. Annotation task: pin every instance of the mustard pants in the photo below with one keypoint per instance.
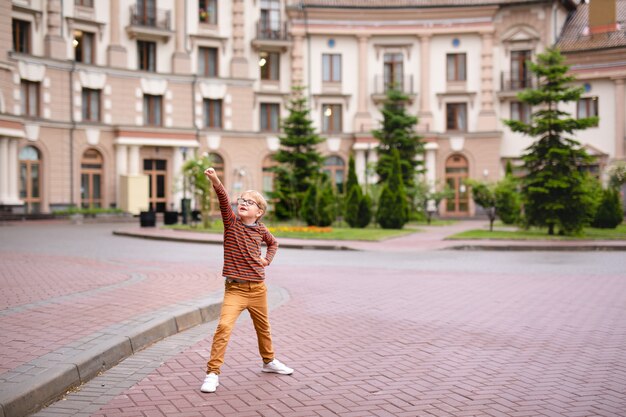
x,y
238,297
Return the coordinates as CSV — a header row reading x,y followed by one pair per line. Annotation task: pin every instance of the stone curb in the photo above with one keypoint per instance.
x,y
30,396
303,245
544,248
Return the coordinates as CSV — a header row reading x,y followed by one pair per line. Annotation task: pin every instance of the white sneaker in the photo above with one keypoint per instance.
x,y
277,367
211,381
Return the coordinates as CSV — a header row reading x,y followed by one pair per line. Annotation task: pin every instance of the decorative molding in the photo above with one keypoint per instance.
x,y
31,72
93,80
392,47
156,87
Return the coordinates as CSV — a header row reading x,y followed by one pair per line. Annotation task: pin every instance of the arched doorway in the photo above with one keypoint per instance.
x,y
217,162
91,174
457,170
335,168
30,179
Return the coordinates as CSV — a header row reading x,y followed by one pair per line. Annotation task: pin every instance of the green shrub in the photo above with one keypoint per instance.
x,y
365,211
352,205
508,201
609,214
318,207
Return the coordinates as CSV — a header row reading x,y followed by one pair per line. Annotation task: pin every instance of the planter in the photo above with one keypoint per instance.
x,y
147,219
170,217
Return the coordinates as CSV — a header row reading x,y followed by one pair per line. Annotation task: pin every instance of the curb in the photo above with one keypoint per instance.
x,y
288,245
546,248
31,395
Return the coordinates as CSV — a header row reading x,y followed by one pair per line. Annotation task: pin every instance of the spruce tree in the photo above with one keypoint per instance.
x,y
553,188
392,210
354,195
299,161
318,208
397,132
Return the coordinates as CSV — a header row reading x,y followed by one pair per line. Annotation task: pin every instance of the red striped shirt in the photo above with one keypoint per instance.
x,y
242,243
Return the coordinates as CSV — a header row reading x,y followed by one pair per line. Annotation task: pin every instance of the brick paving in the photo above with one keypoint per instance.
x,y
397,342
402,331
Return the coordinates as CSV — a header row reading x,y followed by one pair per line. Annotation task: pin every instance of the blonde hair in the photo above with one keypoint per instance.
x,y
256,196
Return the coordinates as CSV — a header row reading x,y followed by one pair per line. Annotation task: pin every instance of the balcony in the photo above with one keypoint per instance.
x,y
150,26
271,36
404,85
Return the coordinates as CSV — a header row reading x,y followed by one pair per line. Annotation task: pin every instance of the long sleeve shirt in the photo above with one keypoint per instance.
x,y
242,243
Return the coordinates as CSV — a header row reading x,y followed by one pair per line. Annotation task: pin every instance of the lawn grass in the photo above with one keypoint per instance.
x,y
589,233
299,232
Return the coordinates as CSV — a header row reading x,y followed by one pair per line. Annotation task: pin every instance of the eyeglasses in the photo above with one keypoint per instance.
x,y
244,202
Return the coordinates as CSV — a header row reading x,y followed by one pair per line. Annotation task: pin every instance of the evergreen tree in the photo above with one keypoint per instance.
x,y
393,206
352,177
318,208
610,213
365,211
299,161
397,132
553,188
355,195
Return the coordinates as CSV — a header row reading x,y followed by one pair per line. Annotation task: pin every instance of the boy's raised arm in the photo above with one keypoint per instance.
x,y
228,217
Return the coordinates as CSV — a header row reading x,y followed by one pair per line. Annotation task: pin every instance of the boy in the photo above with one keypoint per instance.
x,y
244,272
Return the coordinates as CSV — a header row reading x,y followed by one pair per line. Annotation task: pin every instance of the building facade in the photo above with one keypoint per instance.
x,y
101,102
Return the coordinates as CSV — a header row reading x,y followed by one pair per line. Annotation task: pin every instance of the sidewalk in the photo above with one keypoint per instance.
x,y
427,238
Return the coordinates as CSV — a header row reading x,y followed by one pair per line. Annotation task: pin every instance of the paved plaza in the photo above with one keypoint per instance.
x,y
405,328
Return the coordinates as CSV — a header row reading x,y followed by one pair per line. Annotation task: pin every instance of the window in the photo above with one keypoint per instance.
x,y
156,171
91,174
520,111
456,64
587,107
270,65
146,55
268,175
212,113
21,36
331,68
331,118
520,77
207,62
394,71
335,168
91,105
207,11
30,98
152,110
269,117
270,19
456,116
84,47
84,3
146,13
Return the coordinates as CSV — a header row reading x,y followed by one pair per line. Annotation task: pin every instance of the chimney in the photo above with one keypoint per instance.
x,y
602,16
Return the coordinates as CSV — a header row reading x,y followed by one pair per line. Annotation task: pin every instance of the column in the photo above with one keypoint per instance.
x,y
431,164
359,165
121,168
53,41
179,160
13,172
4,170
362,119
238,63
133,160
296,61
181,61
116,53
425,114
620,116
487,117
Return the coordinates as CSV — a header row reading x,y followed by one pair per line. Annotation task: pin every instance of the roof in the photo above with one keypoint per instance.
x,y
383,4
576,37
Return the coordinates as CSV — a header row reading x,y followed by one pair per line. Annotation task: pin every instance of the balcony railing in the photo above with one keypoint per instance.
x,y
508,83
404,84
265,30
158,19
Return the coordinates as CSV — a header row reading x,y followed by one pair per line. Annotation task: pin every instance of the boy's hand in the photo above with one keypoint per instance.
x,y
211,175
264,261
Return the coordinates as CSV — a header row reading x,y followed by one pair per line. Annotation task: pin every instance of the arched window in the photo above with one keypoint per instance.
x,y
335,168
217,162
91,174
457,170
30,179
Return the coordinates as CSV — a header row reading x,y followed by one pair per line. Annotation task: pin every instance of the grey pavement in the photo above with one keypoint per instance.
x,y
404,310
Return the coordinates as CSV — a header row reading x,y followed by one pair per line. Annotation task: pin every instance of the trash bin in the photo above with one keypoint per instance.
x,y
170,217
147,219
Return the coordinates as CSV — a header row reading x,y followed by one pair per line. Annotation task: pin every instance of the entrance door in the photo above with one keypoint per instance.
x,y
91,179
457,170
30,179
156,170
